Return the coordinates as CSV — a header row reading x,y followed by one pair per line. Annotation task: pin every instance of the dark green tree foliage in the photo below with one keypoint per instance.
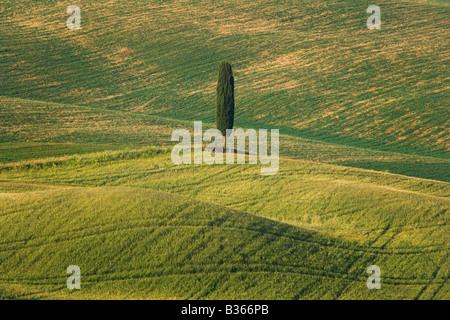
x,y
225,98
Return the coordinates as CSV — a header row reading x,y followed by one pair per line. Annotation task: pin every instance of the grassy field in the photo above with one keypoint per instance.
x,y
141,227
32,129
86,176
311,68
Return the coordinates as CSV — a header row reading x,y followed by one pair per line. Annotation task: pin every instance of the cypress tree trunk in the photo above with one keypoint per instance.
x,y
225,99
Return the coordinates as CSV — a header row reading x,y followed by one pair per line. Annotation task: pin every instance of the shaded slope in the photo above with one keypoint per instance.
x,y
311,69
138,243
58,130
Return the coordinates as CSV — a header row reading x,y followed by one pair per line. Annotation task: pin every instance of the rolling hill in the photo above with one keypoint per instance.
x,y
86,176
222,232
309,68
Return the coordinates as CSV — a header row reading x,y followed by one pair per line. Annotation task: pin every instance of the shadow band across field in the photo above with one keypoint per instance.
x,y
215,235
49,126
86,177
129,241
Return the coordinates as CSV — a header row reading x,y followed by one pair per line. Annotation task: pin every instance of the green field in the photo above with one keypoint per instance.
x,y
86,176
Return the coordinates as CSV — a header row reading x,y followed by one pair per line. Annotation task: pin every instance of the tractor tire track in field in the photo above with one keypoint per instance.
x,y
113,228
360,259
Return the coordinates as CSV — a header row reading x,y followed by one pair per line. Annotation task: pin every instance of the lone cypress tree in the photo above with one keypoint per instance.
x,y
225,98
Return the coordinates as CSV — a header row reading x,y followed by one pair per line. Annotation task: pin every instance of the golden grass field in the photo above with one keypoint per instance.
x,y
86,176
